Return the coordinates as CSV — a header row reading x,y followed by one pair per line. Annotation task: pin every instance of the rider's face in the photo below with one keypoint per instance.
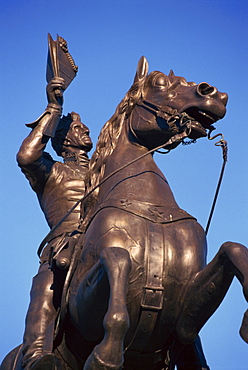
x,y
78,136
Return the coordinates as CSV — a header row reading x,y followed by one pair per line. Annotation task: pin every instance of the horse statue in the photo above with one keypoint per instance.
x,y
140,289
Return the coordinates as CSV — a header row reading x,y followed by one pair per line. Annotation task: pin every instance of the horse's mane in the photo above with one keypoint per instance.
x,y
106,144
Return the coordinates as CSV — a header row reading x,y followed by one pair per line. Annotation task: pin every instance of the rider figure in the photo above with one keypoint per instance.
x,y
58,187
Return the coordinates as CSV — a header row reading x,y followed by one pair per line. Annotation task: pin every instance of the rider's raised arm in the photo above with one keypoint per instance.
x,y
44,127
30,155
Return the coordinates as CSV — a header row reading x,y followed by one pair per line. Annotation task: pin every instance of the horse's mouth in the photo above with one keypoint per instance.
x,y
201,122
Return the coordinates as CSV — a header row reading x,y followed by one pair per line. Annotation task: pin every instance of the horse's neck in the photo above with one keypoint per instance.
x,y
142,180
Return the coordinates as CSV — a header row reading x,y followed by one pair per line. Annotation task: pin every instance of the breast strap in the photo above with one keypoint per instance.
x,y
161,214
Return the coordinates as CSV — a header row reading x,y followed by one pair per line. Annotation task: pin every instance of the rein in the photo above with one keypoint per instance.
x,y
223,145
173,139
171,116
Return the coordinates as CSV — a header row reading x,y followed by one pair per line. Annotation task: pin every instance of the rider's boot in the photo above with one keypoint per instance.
x,y
38,335
45,362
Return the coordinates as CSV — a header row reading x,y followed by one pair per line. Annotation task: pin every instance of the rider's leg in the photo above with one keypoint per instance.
x,y
41,313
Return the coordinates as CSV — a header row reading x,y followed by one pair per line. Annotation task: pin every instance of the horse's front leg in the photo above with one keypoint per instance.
x,y
109,353
209,288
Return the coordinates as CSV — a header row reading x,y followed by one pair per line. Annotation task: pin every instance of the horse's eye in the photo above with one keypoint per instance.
x,y
161,81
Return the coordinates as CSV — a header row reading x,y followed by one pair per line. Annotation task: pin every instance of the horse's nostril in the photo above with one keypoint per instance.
x,y
224,98
205,89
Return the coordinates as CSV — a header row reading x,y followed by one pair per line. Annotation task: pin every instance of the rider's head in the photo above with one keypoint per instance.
x,y
71,135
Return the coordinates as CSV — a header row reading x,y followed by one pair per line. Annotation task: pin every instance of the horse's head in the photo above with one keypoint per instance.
x,y
169,104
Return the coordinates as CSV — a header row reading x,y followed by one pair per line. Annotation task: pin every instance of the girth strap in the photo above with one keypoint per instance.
x,y
153,291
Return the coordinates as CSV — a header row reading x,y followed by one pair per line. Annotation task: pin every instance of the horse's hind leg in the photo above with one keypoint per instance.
x,y
109,353
209,289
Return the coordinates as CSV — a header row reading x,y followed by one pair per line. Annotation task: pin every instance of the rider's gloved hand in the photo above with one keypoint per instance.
x,y
54,90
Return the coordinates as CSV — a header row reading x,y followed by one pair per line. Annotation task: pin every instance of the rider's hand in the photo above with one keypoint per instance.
x,y
55,89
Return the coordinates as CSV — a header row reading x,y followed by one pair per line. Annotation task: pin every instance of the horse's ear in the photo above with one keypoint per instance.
x,y
171,73
142,69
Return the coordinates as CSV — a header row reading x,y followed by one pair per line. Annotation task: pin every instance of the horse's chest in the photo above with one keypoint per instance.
x,y
160,253
165,259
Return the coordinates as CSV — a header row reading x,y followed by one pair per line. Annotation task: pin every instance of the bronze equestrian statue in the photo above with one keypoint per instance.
x,y
140,288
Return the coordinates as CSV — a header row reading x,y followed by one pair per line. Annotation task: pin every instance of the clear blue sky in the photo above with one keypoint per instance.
x,y
202,41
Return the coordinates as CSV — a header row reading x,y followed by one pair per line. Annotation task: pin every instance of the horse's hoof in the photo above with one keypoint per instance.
x,y
46,362
244,328
95,363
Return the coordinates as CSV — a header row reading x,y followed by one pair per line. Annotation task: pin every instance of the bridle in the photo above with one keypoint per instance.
x,y
170,115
